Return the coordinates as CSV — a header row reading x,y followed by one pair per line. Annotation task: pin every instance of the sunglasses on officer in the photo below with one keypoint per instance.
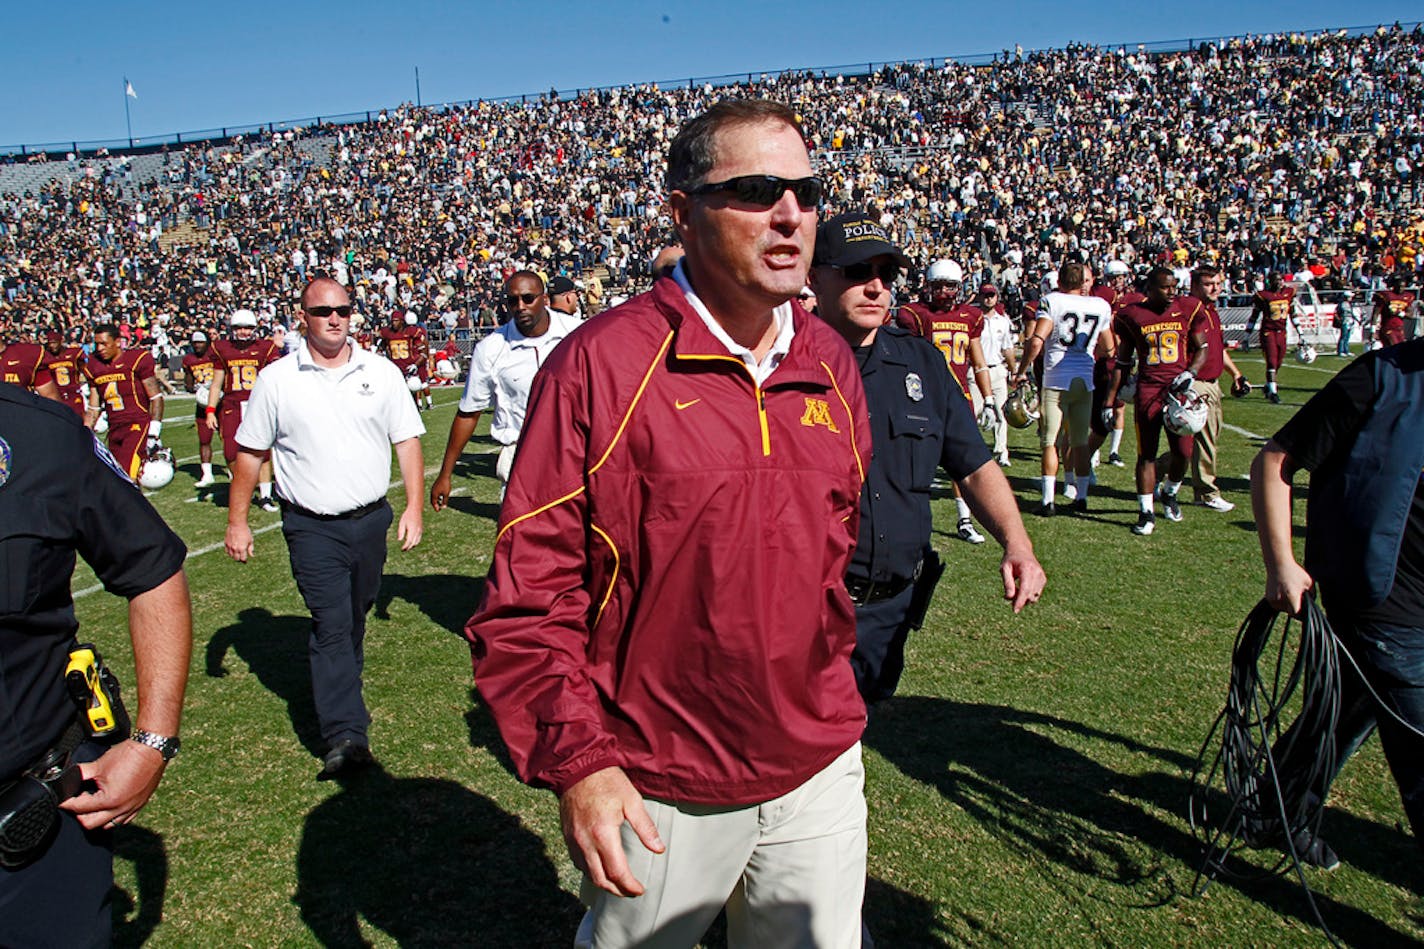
x,y
887,270
322,312
514,299
763,191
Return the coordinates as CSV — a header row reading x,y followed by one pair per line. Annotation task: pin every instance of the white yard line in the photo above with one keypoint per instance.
x,y
1241,431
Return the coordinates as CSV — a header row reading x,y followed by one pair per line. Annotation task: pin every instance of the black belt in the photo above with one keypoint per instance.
x,y
361,511
863,591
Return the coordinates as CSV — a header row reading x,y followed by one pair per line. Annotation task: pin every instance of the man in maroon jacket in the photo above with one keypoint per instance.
x,y
665,636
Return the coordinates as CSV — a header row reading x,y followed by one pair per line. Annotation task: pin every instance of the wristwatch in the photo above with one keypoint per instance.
x,y
167,747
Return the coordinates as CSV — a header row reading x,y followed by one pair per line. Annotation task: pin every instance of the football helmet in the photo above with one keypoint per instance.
x,y
101,424
1184,413
1305,353
1021,407
413,382
411,318
944,271
445,369
242,318
157,470
1117,268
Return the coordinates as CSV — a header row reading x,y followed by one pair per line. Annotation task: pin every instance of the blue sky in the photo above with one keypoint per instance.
x,y
206,65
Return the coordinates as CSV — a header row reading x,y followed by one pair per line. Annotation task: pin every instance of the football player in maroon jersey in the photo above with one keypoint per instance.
x,y
1117,290
1274,305
123,383
63,363
22,364
955,328
1391,307
405,344
198,368
1166,340
236,363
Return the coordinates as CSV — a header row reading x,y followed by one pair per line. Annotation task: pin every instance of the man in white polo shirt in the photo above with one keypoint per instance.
x,y
502,369
327,415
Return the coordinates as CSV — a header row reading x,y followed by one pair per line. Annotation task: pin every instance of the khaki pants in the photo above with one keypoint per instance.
x,y
1204,456
791,872
1074,405
503,465
999,381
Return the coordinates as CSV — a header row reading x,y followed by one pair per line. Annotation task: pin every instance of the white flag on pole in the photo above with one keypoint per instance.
x,y
129,89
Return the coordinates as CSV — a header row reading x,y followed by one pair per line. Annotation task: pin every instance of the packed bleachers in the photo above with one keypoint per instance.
x,y
1264,153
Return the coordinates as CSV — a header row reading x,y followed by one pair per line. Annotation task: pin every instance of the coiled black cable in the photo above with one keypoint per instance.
x,y
1277,751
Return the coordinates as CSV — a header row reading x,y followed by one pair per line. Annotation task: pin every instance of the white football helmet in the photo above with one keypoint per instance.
x,y
1117,268
1021,407
1305,353
411,318
101,424
413,382
1184,414
445,369
157,470
242,318
944,271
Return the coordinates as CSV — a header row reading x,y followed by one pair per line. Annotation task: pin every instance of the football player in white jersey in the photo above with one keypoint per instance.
x,y
1071,329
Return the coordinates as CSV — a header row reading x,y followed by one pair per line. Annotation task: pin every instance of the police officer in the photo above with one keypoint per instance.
x,y
61,493
919,420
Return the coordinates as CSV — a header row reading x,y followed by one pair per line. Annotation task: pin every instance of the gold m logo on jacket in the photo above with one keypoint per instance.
x,y
818,412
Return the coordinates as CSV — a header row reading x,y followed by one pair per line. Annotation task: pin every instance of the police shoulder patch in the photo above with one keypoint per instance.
x,y
104,455
6,458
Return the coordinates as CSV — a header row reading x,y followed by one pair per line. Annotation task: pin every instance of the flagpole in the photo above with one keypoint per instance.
x,y
128,125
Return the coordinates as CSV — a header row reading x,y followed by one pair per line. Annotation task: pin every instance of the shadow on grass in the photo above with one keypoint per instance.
x,y
1015,773
448,599
475,508
137,915
275,649
428,863
485,734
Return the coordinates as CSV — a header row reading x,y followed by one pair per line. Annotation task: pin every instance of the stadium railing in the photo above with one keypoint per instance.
x,y
152,143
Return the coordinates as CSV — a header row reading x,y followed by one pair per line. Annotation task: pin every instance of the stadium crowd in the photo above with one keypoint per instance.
x,y
1280,153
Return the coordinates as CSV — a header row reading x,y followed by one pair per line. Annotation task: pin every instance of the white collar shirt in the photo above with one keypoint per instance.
x,y
330,430
502,370
998,336
785,330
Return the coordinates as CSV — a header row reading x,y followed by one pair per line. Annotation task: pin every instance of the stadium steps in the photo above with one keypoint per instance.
x,y
184,233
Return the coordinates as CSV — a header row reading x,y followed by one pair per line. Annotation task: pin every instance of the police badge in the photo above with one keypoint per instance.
x,y
914,386
5,458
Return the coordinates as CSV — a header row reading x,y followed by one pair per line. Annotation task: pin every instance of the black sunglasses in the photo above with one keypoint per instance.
x,y
514,299
888,271
322,312
763,191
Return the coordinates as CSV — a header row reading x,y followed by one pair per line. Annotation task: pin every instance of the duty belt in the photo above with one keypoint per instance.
x,y
863,591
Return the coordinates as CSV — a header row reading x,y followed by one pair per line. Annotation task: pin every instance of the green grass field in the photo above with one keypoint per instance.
x,y
1027,787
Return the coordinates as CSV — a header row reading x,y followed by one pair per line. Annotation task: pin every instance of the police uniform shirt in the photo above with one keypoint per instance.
x,y
330,431
919,421
60,492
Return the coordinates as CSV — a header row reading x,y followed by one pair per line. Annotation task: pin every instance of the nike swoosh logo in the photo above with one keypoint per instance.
x,y
680,405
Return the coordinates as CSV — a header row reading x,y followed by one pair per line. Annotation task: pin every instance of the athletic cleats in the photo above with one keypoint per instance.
x,y
1146,523
968,534
1171,507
